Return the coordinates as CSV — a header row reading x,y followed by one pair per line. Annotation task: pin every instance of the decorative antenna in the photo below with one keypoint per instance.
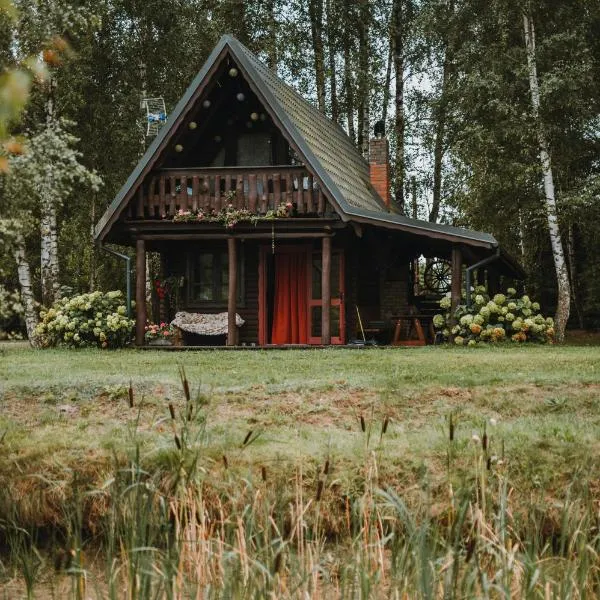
x,y
156,115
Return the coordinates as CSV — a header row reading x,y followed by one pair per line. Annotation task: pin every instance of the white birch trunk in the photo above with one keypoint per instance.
x,y
49,266
31,317
560,265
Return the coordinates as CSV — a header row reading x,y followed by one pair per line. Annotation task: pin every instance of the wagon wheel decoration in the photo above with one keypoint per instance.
x,y
438,276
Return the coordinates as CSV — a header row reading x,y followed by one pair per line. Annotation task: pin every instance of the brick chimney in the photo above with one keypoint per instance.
x,y
379,166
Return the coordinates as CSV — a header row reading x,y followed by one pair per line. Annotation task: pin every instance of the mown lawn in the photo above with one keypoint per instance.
x,y
60,405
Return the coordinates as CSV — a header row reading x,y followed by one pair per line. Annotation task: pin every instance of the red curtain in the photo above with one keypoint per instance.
x,y
290,316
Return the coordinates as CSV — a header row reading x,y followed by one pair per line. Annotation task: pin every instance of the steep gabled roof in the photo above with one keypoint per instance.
x,y
322,145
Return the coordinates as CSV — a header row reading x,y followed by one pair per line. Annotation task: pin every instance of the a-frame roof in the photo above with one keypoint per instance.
x,y
321,143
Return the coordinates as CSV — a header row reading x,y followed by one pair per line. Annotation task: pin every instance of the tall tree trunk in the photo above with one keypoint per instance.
x,y
272,58
364,81
399,124
564,293
348,82
49,266
331,50
439,145
388,75
315,11
24,273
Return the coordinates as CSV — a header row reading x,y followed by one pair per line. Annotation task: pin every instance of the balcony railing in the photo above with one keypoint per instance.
x,y
259,189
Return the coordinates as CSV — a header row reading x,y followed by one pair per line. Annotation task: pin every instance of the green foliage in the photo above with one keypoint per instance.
x,y
497,319
11,314
94,319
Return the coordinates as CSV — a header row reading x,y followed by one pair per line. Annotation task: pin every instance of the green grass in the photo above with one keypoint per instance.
x,y
66,424
61,404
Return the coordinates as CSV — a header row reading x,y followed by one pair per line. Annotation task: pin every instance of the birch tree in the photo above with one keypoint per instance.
x,y
558,254
38,182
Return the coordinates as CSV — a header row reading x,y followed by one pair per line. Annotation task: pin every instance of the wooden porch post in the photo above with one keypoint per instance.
x,y
456,287
326,292
140,292
231,301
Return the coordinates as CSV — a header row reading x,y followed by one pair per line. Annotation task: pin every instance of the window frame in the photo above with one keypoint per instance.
x,y
219,254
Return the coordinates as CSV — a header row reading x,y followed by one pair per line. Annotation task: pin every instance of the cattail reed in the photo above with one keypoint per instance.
x,y
184,383
489,463
277,562
451,428
247,438
130,394
225,462
319,490
326,468
177,442
172,411
363,426
263,473
484,440
384,425
190,411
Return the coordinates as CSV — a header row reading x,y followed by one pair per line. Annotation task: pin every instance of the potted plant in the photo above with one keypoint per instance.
x,y
159,334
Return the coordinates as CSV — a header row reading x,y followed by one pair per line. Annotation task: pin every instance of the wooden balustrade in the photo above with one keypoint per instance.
x,y
210,189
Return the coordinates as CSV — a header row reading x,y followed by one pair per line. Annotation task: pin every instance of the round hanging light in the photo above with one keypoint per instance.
x,y
241,97
206,104
233,72
217,138
178,148
254,116
263,117
192,125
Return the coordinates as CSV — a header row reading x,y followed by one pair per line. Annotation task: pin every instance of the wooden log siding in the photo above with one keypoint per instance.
x,y
258,190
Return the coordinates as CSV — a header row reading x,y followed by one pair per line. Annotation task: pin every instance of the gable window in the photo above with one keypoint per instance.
x,y
208,278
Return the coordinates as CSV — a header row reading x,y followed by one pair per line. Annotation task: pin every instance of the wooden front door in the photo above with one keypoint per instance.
x,y
315,301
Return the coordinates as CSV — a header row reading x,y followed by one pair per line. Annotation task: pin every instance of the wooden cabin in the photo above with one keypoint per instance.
x,y
259,205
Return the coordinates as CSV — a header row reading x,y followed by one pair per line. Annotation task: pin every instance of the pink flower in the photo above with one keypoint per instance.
x,y
166,333
288,205
163,324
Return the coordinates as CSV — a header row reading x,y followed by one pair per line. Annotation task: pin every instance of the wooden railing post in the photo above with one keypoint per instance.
x,y
140,292
232,295
326,292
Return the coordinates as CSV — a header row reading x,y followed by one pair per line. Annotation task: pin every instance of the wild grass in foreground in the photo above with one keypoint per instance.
x,y
195,523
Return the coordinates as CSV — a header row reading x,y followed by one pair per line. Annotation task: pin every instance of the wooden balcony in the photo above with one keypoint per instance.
x,y
259,189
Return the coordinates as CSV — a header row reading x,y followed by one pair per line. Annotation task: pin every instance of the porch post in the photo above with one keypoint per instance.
x,y
140,292
456,286
231,301
326,292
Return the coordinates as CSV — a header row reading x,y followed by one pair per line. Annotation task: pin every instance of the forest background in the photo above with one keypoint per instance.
x,y
451,79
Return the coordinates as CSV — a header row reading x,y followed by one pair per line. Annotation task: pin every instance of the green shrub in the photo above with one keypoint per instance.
x,y
96,319
12,311
504,317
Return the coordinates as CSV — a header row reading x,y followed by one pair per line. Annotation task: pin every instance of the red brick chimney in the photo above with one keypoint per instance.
x,y
379,167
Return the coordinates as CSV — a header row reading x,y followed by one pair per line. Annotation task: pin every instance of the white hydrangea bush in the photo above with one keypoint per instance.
x,y
96,319
491,320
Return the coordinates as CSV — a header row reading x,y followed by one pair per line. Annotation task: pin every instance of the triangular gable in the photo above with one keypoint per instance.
x,y
227,45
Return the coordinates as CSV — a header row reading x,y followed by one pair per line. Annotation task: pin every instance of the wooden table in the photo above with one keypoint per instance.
x,y
413,322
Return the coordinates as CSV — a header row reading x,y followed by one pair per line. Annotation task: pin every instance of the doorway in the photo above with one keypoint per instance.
x,y
290,296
